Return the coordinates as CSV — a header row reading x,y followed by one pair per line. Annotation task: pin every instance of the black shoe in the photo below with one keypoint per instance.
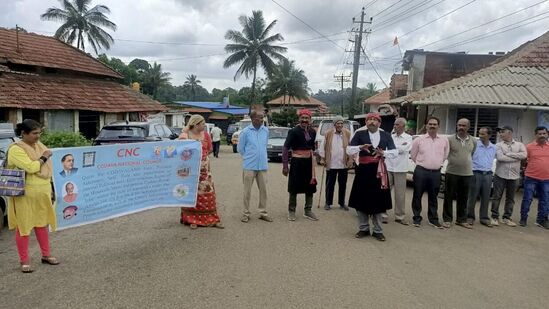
x,y
379,236
417,223
522,222
362,234
436,224
543,224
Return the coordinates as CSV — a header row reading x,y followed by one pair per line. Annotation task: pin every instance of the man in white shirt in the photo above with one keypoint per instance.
x,y
333,155
371,194
398,168
216,140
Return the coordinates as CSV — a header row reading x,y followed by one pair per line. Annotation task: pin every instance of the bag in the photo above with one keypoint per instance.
x,y
12,181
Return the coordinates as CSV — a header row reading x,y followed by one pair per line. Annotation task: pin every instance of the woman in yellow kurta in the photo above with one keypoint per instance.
x,y
34,209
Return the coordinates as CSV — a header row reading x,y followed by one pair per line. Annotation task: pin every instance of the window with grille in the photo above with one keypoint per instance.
x,y
480,117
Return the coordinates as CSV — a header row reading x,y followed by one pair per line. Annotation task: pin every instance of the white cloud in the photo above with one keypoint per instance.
x,y
206,22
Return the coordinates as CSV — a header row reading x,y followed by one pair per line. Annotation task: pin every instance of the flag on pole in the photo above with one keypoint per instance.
x,y
395,41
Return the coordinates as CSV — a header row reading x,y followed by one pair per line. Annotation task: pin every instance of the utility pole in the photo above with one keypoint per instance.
x,y
342,78
356,62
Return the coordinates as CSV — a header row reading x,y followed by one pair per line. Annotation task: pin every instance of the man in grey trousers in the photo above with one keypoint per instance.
x,y
509,154
481,183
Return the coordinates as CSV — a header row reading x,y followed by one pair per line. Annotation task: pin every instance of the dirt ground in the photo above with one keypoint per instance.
x,y
149,260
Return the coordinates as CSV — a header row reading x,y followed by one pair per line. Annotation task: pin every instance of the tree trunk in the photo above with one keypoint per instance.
x,y
252,95
79,36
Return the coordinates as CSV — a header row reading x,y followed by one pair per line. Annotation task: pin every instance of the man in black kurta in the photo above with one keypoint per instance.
x,y
371,194
301,142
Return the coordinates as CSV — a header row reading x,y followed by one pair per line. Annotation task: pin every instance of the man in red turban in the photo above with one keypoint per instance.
x,y
371,194
301,176
304,112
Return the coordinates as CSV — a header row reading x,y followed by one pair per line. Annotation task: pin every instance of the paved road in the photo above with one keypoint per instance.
x,y
149,260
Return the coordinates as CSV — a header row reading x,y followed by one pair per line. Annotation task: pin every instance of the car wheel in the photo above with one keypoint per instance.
x,y
234,149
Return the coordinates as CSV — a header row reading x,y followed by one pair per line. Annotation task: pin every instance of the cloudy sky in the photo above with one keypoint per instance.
x,y
187,36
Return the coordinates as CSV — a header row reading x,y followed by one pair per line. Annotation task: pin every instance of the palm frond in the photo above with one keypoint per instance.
x,y
69,6
99,18
236,37
92,43
55,14
80,23
234,59
82,5
272,39
233,48
267,30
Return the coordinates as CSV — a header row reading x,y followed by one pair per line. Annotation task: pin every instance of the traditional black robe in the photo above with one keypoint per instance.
x,y
301,169
366,194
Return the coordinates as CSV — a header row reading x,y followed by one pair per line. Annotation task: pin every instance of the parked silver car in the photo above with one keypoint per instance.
x,y
277,137
7,136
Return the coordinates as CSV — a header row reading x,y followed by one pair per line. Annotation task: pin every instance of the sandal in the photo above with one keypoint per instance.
x,y
465,225
218,225
26,268
50,260
193,226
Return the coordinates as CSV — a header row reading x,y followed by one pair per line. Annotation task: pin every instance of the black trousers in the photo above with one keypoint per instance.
x,y
457,186
216,148
331,176
426,181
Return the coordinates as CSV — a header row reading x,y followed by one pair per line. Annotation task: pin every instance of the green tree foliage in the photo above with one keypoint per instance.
x,y
287,117
128,72
253,47
139,65
58,139
192,84
166,93
153,78
218,95
80,22
334,98
287,81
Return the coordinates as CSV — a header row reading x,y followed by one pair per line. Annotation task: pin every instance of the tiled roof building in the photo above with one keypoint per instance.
x,y
310,103
64,88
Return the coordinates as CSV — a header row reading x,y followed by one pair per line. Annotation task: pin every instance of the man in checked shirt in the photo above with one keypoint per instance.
x,y
509,154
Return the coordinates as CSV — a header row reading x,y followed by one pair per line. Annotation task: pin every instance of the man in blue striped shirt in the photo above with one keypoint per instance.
x,y
252,146
481,183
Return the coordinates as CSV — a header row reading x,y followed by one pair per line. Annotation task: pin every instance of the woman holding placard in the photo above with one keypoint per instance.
x,y
34,209
205,211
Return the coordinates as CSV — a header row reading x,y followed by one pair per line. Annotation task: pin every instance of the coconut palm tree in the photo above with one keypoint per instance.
x,y
192,83
253,47
80,22
287,80
154,78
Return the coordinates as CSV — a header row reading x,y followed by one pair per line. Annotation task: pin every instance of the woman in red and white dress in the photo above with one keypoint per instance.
x,y
205,211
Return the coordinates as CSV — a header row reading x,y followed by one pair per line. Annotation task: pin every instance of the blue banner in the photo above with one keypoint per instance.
x,y
97,183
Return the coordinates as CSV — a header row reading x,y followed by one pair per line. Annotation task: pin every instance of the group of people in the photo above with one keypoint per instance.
x,y
381,163
470,175
380,160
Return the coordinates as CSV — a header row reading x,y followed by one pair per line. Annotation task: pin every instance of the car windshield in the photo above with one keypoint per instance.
x,y
232,128
121,132
176,130
244,123
327,125
278,132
